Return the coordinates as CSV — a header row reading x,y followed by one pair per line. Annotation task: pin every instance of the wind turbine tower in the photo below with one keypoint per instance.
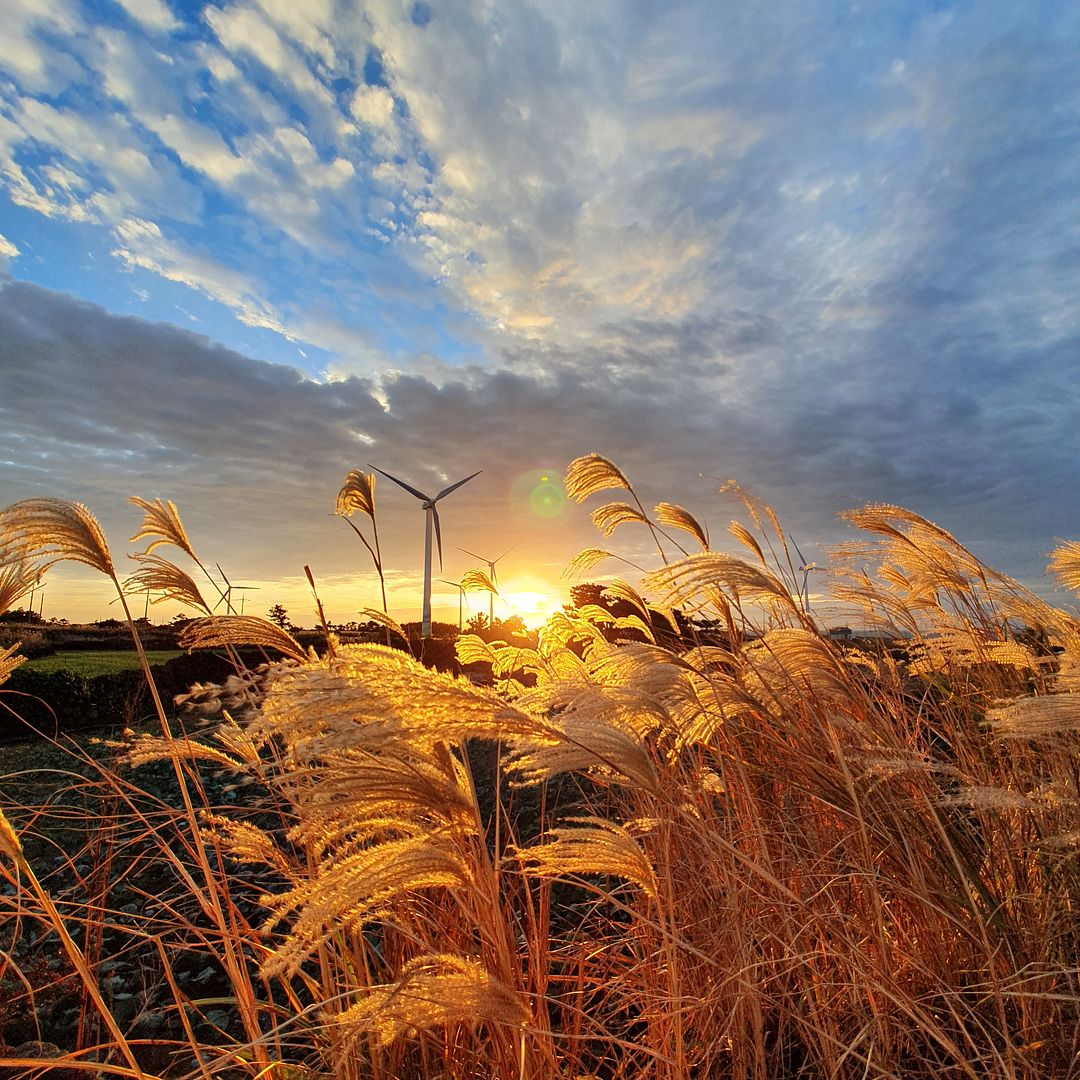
x,y
427,504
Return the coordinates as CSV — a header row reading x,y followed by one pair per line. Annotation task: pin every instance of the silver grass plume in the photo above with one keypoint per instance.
x,y
434,991
161,522
55,530
591,473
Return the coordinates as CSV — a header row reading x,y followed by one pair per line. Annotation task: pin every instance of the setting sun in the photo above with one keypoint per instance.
x,y
533,606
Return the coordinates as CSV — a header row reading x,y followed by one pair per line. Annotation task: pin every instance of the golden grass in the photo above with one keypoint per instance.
x,y
741,851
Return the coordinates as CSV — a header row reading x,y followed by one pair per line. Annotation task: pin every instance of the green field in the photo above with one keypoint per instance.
x,y
91,662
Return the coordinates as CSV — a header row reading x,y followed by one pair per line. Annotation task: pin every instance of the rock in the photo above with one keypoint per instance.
x,y
35,1049
124,1007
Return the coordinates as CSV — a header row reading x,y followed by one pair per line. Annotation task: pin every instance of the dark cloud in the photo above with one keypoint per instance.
x,y
97,407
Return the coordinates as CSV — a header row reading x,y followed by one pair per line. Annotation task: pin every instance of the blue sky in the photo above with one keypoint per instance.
x,y
830,249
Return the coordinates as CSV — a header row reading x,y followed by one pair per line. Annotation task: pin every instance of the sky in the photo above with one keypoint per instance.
x,y
830,249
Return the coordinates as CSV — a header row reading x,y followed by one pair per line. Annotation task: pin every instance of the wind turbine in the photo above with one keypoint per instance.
x,y
427,504
491,574
460,600
806,569
230,588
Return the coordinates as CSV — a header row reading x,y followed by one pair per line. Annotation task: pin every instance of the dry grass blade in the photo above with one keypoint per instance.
x,y
355,888
588,846
586,742
687,578
1065,564
620,590
161,522
16,580
674,516
471,649
592,473
610,516
385,621
434,991
790,666
156,574
9,661
372,696
348,797
746,538
1054,716
357,494
477,581
55,530
239,630
585,560
10,845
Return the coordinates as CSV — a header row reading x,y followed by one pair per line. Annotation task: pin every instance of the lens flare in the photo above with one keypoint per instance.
x,y
538,493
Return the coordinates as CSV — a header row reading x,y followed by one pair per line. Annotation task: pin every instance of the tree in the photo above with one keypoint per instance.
x,y
20,615
278,615
477,623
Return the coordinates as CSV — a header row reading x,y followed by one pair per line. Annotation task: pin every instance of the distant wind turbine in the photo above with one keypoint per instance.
x,y
491,574
230,588
460,600
806,569
427,504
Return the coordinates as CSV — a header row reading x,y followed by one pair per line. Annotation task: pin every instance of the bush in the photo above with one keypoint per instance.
x,y
32,643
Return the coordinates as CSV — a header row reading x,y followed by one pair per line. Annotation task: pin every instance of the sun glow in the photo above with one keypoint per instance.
x,y
533,606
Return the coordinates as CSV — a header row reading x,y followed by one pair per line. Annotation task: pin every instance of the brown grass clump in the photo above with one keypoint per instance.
x,y
737,849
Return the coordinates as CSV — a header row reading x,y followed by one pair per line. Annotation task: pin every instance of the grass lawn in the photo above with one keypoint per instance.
x,y
91,662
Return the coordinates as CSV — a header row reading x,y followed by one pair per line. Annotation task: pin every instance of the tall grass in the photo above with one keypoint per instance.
x,y
735,849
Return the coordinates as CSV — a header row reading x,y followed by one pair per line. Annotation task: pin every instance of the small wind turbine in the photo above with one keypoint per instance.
x,y
491,574
427,504
460,600
230,588
806,569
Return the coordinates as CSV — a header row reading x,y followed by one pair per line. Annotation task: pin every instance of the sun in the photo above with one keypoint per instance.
x,y
533,606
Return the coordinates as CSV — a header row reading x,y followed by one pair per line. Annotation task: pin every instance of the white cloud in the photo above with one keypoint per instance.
x,y
153,14
199,147
243,29
140,243
305,23
7,249
373,105
38,67
105,168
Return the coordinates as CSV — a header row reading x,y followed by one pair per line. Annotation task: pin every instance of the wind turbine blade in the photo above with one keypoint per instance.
x,y
795,545
401,483
473,554
438,532
453,487
507,551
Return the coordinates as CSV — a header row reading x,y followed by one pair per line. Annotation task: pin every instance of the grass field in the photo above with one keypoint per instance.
x,y
726,847
91,662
